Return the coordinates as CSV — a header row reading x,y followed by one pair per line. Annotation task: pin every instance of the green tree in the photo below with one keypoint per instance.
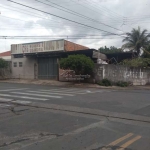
x,y
81,64
136,39
137,62
3,63
146,52
112,49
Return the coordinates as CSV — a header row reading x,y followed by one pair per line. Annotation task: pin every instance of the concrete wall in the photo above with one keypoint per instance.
x,y
116,73
27,71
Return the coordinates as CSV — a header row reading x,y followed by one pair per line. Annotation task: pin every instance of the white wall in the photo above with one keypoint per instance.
x,y
27,69
7,58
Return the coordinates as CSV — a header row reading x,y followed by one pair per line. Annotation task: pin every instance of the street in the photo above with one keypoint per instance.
x,y
42,117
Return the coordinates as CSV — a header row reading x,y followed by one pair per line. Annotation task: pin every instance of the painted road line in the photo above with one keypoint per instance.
x,y
125,145
4,105
23,97
51,93
66,91
39,95
13,89
120,139
114,143
5,100
22,102
59,89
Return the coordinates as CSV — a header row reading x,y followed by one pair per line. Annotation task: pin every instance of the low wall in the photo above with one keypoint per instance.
x,y
138,76
5,73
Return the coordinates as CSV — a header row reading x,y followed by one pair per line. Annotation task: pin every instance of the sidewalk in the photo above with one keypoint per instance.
x,y
71,84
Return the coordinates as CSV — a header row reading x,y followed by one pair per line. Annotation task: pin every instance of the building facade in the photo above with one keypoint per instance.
x,y
39,60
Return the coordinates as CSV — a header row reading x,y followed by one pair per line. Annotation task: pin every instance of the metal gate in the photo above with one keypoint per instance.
x,y
47,68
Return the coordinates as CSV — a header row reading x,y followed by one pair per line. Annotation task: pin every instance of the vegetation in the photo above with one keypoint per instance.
x,y
137,62
112,49
136,40
81,64
122,84
106,82
3,63
146,52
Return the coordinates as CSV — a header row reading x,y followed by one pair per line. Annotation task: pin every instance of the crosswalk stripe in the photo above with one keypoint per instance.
x,y
5,99
76,92
51,93
22,102
23,97
13,89
125,145
56,89
4,105
21,93
66,91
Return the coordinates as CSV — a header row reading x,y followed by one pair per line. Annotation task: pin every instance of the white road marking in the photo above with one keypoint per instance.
x,y
76,91
24,97
66,91
51,93
13,89
5,99
36,95
4,105
22,102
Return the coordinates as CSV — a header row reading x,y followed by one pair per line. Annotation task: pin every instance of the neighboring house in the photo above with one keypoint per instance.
x,y
6,55
6,73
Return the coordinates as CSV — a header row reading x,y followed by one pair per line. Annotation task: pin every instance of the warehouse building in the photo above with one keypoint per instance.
x,y
40,60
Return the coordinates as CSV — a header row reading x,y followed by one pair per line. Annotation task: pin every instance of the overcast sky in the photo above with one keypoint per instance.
x,y
103,17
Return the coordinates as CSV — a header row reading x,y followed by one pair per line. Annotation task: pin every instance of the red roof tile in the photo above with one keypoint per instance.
x,y
8,53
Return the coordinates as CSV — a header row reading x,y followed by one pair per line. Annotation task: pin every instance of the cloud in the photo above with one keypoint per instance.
x,y
119,14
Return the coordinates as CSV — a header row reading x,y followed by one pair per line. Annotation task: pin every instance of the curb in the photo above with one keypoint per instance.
x,y
88,111
82,85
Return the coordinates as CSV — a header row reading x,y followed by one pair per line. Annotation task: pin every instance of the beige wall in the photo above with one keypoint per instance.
x,y
26,71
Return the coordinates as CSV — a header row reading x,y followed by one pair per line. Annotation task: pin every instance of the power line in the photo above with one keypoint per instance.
x,y
89,2
104,8
43,18
80,15
67,37
53,20
61,17
93,10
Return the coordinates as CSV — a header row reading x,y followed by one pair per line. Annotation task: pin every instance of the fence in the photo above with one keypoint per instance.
x,y
138,76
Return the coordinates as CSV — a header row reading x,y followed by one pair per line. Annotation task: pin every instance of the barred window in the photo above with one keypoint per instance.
x,y
15,64
20,64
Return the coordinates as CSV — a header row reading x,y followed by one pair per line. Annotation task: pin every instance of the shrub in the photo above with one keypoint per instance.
x,y
81,64
137,62
105,82
3,63
122,84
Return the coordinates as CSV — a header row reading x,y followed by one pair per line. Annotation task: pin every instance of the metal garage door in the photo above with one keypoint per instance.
x,y
47,68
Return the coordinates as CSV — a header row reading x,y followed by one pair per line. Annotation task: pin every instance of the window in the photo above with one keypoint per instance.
x,y
20,64
15,64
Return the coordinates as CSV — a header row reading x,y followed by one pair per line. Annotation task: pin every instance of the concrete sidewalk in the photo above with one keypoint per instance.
x,y
72,84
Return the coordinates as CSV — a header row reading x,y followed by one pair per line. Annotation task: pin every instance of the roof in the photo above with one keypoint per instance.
x,y
120,56
7,53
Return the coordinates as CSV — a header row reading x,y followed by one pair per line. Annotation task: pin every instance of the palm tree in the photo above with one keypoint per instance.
x,y
136,40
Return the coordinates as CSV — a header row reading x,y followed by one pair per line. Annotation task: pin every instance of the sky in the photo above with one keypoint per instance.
x,y
92,23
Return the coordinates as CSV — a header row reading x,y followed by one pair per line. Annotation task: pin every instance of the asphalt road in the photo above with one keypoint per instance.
x,y
37,117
